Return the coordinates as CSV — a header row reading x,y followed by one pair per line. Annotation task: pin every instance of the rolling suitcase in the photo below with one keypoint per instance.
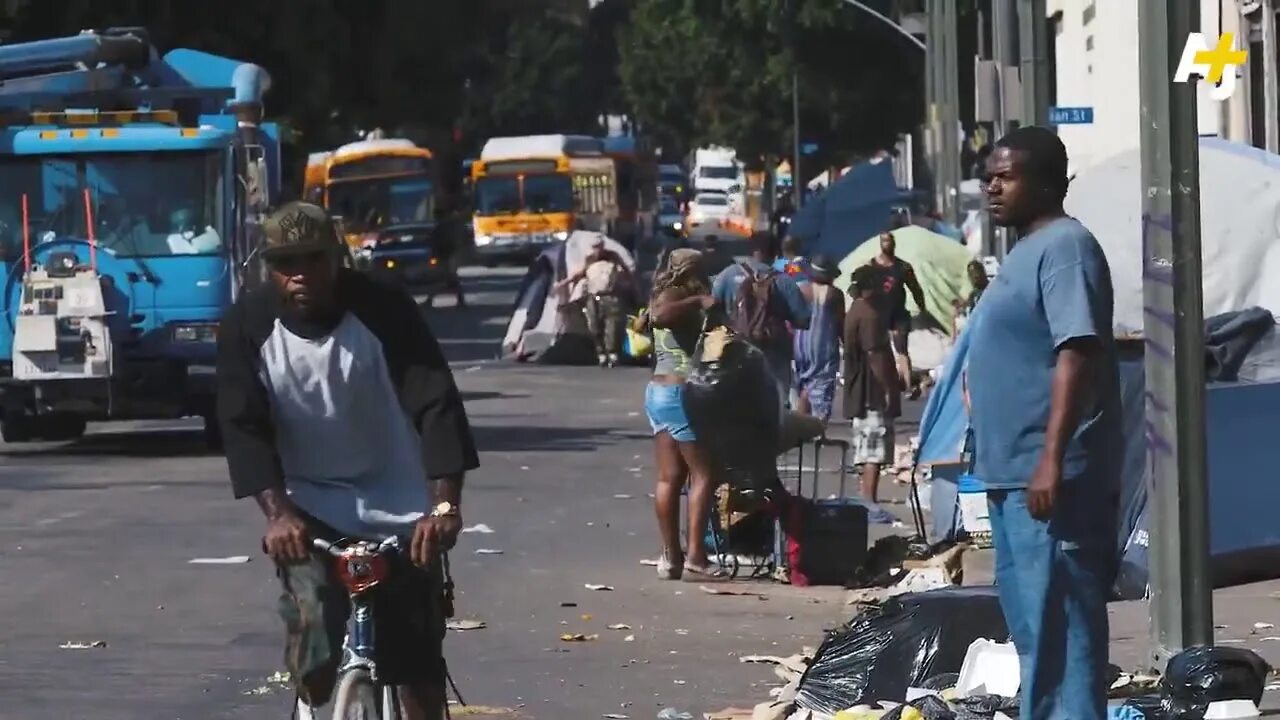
x,y
820,540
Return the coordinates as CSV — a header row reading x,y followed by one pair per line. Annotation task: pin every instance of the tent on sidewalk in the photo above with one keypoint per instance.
x,y
941,266
546,325
1240,194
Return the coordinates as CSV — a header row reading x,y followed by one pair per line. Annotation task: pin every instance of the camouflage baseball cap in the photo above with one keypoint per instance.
x,y
298,228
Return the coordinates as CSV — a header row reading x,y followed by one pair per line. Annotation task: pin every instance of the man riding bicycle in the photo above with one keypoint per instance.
x,y
341,418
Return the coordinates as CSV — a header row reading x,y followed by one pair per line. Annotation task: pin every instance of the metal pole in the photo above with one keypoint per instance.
x,y
1269,94
1034,61
933,92
1181,597
797,188
897,28
949,129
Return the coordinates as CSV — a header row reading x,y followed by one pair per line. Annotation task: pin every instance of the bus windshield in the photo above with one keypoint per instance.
x,y
367,205
507,195
143,204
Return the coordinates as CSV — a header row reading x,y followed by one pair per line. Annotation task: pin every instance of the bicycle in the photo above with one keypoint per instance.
x,y
358,692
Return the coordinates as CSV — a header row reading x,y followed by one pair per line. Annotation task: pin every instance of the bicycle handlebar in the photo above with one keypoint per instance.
x,y
391,543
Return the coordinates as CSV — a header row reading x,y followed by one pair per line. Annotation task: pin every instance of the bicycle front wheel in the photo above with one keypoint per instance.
x,y
356,697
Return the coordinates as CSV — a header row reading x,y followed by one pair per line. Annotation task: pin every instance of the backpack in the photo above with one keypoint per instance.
x,y
755,316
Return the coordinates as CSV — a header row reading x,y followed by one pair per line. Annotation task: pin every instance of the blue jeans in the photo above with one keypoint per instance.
x,y
1054,579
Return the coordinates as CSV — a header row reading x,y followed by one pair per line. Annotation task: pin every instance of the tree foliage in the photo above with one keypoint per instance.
x,y
690,71
720,71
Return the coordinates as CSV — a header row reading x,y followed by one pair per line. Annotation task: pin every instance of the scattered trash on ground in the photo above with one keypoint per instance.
x,y
674,714
260,690
465,625
568,604
232,560
650,563
615,716
619,626
730,714
599,588
629,638
478,528
622,496
456,710
1262,626
83,645
577,637
726,591
488,551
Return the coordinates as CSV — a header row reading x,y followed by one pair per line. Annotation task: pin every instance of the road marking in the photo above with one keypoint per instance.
x,y
71,514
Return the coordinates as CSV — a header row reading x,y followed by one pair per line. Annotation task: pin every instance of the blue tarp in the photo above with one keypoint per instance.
x,y
1240,421
854,208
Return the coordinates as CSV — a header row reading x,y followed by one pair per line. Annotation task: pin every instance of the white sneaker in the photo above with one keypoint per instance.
x,y
602,359
613,359
304,711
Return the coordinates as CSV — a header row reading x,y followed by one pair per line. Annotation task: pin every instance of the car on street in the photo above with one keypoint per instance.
x,y
707,208
412,255
670,219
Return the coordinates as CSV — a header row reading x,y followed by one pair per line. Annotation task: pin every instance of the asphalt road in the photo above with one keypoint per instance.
x,y
97,539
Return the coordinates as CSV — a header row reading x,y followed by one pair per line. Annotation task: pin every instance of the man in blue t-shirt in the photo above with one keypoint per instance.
x,y
1044,391
789,304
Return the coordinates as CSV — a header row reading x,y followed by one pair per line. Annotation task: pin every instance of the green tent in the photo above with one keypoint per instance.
x,y
940,263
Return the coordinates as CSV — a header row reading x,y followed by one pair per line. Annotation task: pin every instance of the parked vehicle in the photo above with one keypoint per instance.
x,y
134,185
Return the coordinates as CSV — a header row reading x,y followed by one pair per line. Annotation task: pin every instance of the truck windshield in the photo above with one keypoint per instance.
x,y
143,204
504,195
367,205
718,172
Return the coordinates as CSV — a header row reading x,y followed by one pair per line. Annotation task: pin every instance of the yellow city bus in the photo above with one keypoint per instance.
x,y
529,192
373,184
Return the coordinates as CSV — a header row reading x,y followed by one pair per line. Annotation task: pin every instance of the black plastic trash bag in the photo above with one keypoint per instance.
x,y
733,404
931,707
899,644
984,707
1200,675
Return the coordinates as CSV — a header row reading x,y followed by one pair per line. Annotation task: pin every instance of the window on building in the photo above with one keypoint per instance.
x,y
1088,43
1090,11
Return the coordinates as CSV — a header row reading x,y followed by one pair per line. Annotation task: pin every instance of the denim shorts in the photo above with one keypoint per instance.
x,y
664,404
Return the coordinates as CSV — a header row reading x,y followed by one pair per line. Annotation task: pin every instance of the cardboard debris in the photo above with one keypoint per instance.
x,y
464,625
619,626
602,588
729,714
478,528
577,637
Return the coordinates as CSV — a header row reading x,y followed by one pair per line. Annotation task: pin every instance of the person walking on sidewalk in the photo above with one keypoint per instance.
x,y
681,298
608,280
817,349
764,306
872,390
1043,385
895,278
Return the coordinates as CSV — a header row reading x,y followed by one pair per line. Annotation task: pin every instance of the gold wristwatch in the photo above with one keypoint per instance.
x,y
444,509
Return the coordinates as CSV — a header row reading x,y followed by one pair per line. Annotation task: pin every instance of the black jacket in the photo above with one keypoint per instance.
x,y
421,378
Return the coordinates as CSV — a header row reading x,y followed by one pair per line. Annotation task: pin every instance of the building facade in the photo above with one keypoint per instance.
x,y
1096,65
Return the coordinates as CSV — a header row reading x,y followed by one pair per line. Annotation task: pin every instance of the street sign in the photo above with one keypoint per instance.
x,y
1070,116
809,148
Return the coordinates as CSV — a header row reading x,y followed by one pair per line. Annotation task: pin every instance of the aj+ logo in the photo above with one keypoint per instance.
x,y
1217,65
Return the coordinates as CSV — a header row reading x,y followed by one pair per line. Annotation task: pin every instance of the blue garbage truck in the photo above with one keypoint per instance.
x,y
132,191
